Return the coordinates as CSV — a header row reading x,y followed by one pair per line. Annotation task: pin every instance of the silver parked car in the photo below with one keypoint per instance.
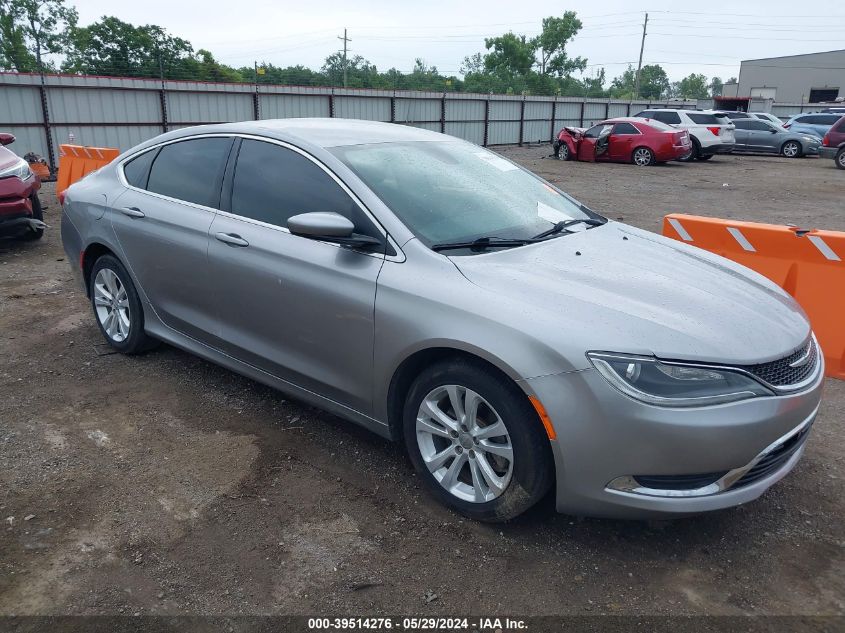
x,y
437,293
756,135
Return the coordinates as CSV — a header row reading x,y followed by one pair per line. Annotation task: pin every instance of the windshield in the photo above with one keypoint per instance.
x,y
454,191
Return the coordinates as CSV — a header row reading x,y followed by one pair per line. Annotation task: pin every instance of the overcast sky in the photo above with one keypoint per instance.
x,y
709,37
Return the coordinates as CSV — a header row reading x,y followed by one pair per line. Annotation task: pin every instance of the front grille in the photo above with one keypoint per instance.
x,y
773,460
678,482
779,373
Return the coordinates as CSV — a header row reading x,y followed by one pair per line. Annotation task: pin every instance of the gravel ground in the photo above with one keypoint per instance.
x,y
162,484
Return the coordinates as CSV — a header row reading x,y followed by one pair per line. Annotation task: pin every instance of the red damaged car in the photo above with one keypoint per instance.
x,y
20,210
624,140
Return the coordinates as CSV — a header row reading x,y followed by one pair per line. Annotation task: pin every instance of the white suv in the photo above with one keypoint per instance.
x,y
711,133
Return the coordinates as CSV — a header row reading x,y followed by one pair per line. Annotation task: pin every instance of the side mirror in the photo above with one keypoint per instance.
x,y
6,139
329,227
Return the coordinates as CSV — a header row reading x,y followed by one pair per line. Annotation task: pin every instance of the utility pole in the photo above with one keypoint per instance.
x,y
640,63
345,40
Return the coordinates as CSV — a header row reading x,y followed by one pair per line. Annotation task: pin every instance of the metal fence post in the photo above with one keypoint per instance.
x,y
331,103
521,119
607,110
554,116
629,109
393,108
443,113
256,105
45,111
162,100
583,105
486,120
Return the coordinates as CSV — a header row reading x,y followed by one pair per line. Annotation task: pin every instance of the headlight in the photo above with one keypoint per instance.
x,y
19,169
671,384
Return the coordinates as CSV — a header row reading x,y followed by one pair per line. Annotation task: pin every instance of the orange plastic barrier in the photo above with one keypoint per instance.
x,y
76,160
808,264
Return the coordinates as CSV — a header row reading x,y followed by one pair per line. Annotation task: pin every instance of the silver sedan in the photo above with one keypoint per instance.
x,y
756,135
440,295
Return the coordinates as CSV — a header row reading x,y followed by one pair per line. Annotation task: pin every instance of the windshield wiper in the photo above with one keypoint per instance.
x,y
482,243
564,225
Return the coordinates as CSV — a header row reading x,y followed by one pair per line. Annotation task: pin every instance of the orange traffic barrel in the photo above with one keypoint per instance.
x,y
808,264
75,161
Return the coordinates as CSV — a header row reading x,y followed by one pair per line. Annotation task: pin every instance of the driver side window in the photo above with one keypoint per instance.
x,y
271,183
596,131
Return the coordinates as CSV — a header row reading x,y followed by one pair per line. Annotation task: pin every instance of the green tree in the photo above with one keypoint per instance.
x,y
360,72
715,86
14,54
551,45
509,55
693,86
113,47
654,83
31,29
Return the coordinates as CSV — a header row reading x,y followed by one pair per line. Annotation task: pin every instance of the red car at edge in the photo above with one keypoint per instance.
x,y
20,210
624,140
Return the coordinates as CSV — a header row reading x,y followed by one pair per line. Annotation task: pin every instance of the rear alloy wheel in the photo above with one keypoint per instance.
x,y
117,307
694,154
791,149
840,158
643,157
476,441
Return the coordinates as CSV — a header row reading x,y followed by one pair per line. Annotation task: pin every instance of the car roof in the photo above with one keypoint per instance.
x,y
319,132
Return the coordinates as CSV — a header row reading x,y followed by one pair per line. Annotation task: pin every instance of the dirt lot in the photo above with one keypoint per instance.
x,y
162,484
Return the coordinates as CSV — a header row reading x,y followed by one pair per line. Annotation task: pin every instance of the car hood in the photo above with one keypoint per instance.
x,y
7,158
617,288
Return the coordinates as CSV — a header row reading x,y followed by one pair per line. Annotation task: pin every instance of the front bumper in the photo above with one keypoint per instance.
x,y
604,436
828,152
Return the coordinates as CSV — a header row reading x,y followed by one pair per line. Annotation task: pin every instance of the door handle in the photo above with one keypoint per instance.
x,y
133,212
232,239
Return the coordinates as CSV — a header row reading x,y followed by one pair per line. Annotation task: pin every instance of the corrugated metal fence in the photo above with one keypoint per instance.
x,y
121,112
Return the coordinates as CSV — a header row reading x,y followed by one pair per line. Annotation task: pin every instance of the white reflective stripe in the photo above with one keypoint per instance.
x,y
680,230
741,240
825,250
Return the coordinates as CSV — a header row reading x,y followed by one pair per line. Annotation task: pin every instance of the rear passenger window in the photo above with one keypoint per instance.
x,y
703,119
273,183
829,119
669,118
625,128
191,170
137,170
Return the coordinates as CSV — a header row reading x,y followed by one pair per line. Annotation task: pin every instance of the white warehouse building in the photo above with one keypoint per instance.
x,y
810,78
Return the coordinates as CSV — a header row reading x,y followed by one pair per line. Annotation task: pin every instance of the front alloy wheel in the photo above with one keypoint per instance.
x,y
464,443
791,149
476,441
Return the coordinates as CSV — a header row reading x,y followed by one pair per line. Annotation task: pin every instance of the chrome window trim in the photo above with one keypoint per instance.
x,y
399,257
628,485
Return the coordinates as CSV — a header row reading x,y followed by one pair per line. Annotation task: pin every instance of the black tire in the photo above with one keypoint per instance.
x,y
532,468
563,152
136,341
695,152
647,154
789,147
30,235
705,156
840,158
